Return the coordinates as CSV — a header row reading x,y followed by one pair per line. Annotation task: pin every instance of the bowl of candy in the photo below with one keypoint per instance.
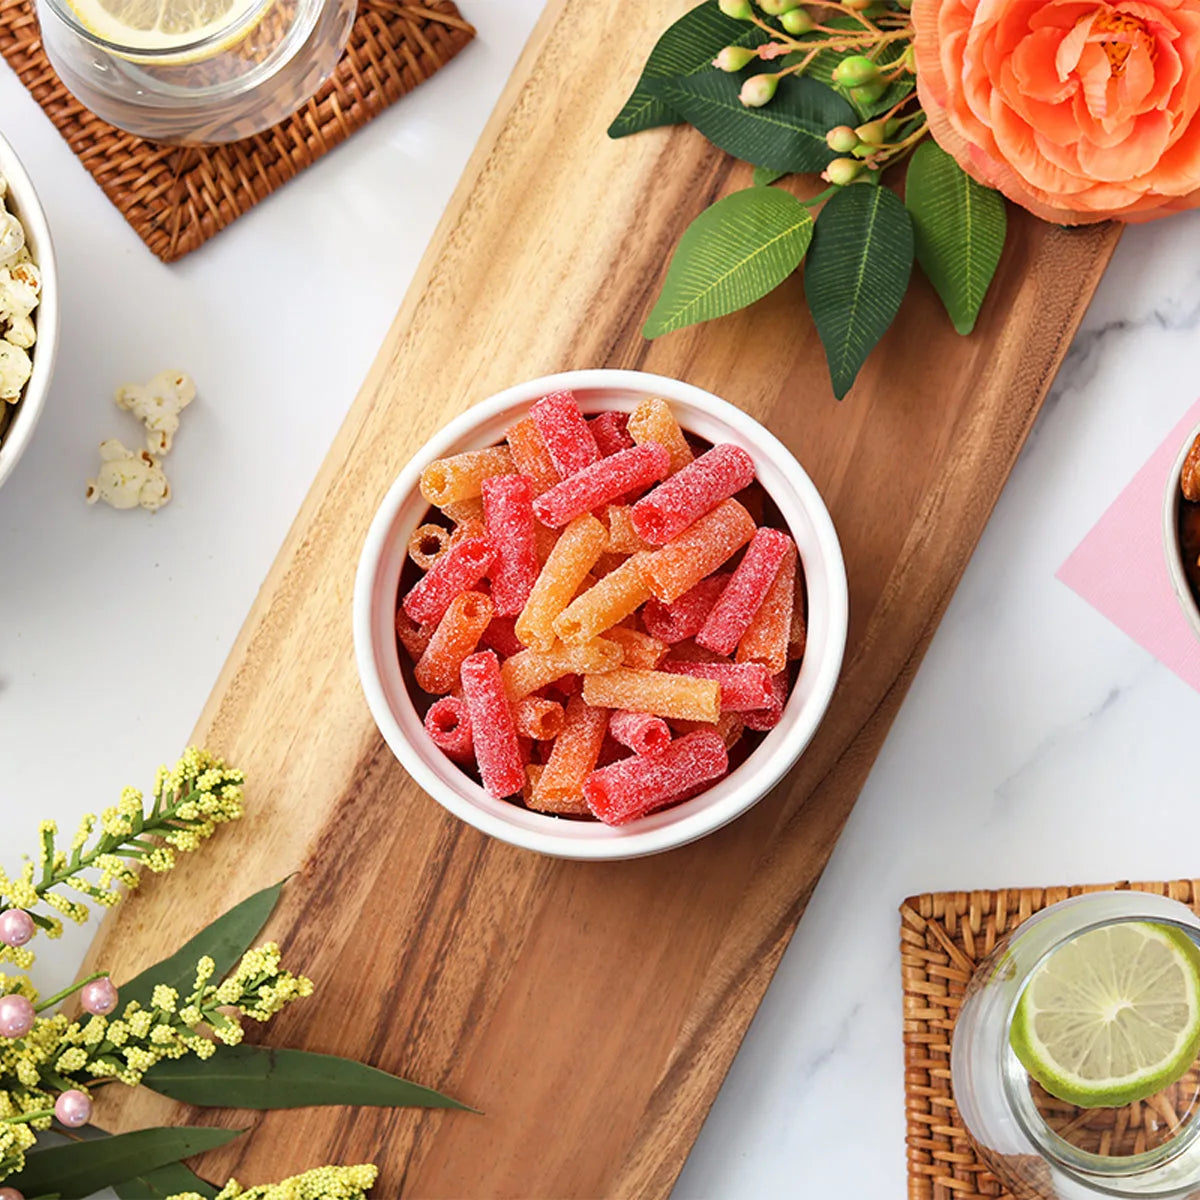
x,y
1181,529
601,614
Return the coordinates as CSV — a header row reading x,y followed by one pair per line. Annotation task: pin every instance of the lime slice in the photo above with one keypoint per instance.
x,y
1113,1016
159,24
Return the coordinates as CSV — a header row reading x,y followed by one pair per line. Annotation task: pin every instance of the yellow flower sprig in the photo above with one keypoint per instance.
x,y
325,1183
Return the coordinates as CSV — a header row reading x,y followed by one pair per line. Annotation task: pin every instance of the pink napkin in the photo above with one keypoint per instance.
x,y
1120,568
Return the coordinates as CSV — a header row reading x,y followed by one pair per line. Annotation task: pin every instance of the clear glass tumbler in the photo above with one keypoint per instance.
x,y
235,79
1043,1148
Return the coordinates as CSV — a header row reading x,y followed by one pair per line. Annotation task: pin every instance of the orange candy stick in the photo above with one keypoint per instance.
x,y
798,634
681,696
413,636
461,477
568,564
456,637
698,551
560,786
769,634
653,421
729,725
533,772
610,600
471,527
426,543
532,670
541,720
642,652
530,456
461,511
622,537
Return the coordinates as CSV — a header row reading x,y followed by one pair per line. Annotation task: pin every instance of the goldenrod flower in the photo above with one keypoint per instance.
x,y
325,1183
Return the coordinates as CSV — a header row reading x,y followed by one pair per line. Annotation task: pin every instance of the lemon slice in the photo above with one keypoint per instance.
x,y
159,25
1113,1016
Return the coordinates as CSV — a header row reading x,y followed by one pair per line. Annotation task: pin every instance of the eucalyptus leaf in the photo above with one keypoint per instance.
x,y
960,227
764,177
224,941
687,47
788,134
261,1077
733,253
151,1185
856,275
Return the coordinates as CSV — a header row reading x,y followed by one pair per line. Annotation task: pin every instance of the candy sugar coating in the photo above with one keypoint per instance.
x,y
530,456
457,570
566,435
659,693
461,477
469,527
762,719
413,636
611,431
636,786
691,492
798,631
572,557
560,787
532,670
449,728
508,513
462,511
643,733
697,552
497,752
541,720
683,618
501,636
426,543
622,537
642,652
653,421
744,686
456,636
533,772
746,592
602,482
730,726
608,601
766,639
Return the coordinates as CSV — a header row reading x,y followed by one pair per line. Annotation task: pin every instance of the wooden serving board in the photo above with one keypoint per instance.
x,y
590,1010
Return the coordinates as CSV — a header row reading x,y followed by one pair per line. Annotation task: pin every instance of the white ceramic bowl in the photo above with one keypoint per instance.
x,y
23,202
378,579
1172,499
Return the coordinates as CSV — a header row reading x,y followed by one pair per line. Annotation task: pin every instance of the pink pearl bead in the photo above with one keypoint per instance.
x,y
16,1016
73,1109
99,998
16,928
7,1193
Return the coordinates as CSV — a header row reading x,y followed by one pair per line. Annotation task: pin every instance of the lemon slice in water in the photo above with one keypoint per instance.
x,y
1113,1016
159,25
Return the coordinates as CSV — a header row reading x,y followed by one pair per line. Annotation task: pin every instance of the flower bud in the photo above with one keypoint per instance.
x,y
776,8
797,21
841,138
842,171
874,133
855,71
758,89
734,58
740,10
857,5
868,93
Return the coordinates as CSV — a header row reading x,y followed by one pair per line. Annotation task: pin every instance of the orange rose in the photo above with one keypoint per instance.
x,y
1078,110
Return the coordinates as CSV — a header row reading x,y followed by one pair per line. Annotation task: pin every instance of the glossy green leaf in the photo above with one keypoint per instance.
x,y
225,941
764,177
960,227
687,47
151,1185
822,67
788,134
856,275
732,254
76,1171
261,1077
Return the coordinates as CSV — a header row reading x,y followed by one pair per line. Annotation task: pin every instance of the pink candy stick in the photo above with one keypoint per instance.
x,y
742,598
691,492
685,617
610,429
508,515
766,718
497,749
636,786
457,570
603,481
641,732
745,687
501,636
569,441
449,728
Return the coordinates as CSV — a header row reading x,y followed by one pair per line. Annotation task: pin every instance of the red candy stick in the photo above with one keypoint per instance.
x,y
742,598
603,481
457,570
766,718
690,493
685,617
611,431
569,441
636,786
641,732
497,751
449,728
745,687
501,636
508,514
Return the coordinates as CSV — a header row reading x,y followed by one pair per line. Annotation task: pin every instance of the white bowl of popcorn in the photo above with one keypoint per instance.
x,y
28,309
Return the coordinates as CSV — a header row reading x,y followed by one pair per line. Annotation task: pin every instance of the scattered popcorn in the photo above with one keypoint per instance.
x,y
157,405
128,479
15,369
20,290
12,238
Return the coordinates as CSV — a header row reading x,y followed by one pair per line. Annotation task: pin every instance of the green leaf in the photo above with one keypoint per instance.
x,y
960,227
225,941
764,177
78,1170
260,1077
687,47
166,1181
856,275
822,67
788,134
732,254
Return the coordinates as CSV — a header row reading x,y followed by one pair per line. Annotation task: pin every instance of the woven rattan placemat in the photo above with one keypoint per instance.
x,y
942,936
177,198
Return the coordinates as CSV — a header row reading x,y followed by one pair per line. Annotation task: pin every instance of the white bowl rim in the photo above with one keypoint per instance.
x,y
633,842
1172,499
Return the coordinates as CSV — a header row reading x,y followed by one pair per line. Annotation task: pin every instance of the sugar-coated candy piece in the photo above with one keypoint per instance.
x,y
697,552
601,483
532,670
730,726
462,511
530,456
458,570
525,745
427,543
643,733
611,751
746,591
642,652
754,500
766,639
533,772
659,693
508,512
606,564
565,432
501,636
697,489
566,686
652,421
456,636
470,527
573,556
572,760
459,478
541,720
688,651
611,431
543,541
610,600
766,718
413,636
684,617
501,766
449,728
622,537
744,686
636,786
798,631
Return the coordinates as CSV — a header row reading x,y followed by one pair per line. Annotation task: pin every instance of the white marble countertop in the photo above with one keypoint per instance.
x,y
1038,744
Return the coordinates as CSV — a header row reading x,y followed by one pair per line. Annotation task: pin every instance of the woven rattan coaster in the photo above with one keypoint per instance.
x,y
942,936
177,198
